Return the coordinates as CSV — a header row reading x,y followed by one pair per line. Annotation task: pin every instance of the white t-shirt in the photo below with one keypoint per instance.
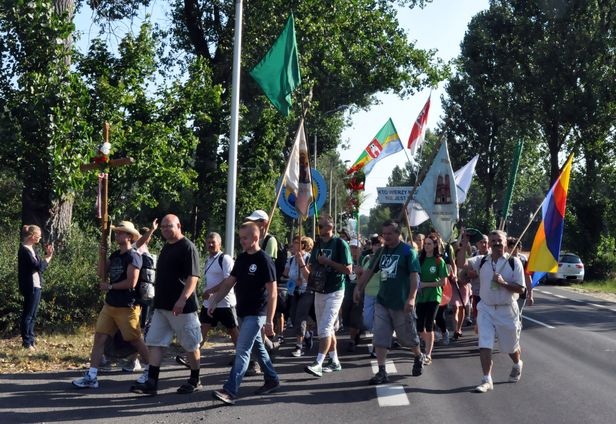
x,y
496,294
214,274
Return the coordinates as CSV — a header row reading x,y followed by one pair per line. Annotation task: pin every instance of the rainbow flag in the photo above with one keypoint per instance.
x,y
546,246
385,143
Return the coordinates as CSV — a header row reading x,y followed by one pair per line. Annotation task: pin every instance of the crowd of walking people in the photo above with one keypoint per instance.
x,y
396,292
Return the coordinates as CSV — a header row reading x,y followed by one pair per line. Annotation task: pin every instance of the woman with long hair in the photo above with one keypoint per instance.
x,y
30,268
432,279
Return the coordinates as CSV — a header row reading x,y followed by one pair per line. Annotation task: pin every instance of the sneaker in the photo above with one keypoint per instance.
x,y
457,335
315,369
224,396
182,361
297,352
516,372
253,369
144,376
332,366
427,360
269,387
135,366
485,386
380,377
189,387
105,365
148,388
86,382
418,364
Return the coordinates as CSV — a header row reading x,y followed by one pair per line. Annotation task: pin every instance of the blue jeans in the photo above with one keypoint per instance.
x,y
250,334
28,315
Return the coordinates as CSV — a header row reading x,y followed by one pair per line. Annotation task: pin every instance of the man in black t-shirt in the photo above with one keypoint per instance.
x,y
254,279
120,311
175,307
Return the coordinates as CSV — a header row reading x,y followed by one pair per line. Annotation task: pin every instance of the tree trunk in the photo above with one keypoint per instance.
x,y
39,204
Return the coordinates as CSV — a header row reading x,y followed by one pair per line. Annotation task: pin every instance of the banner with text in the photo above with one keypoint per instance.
x,y
393,195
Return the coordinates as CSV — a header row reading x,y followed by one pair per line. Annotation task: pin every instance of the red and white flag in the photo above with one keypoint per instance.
x,y
298,178
420,126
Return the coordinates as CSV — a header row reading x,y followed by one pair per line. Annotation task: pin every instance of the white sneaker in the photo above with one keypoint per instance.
x,y
86,382
134,366
297,352
516,372
144,376
485,386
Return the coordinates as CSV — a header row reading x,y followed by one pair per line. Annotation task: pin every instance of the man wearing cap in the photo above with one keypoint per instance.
x,y
175,307
121,310
268,244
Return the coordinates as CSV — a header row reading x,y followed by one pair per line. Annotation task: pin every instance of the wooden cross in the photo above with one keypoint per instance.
x,y
102,163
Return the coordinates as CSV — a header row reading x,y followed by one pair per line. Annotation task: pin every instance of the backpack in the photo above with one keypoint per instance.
x,y
147,276
280,261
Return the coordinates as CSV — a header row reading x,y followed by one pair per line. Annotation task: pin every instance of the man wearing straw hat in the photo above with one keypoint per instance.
x,y
121,310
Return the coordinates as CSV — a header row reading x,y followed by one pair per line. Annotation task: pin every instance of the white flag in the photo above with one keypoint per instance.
x,y
438,195
298,179
463,177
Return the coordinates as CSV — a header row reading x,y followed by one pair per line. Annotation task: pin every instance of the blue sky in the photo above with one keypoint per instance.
x,y
440,25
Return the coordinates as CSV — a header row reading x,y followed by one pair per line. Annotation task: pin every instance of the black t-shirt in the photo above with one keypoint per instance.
x,y
252,272
176,263
118,266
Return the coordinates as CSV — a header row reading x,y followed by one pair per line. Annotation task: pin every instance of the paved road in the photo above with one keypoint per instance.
x,y
569,348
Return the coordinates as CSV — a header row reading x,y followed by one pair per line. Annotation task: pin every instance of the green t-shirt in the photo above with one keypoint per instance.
x,y
337,250
394,269
431,271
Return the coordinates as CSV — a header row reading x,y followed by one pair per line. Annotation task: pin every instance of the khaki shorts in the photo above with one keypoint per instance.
x,y
502,321
386,321
126,319
185,327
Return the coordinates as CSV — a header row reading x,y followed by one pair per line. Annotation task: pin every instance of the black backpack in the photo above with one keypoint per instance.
x,y
280,261
510,260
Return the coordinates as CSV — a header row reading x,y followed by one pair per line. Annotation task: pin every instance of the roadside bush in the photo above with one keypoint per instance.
x,y
70,296
603,265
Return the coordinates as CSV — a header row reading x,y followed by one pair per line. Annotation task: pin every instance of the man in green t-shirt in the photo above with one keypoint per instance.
x,y
334,254
398,266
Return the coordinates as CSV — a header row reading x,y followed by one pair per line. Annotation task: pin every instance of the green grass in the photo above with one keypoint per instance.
x,y
606,286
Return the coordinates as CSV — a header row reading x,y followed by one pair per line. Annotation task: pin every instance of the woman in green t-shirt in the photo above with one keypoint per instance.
x,y
432,279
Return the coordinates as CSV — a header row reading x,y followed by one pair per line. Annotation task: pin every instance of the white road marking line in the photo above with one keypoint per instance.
x,y
537,322
390,367
389,395
603,307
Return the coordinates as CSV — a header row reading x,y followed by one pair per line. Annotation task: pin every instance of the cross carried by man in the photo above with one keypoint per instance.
x,y
102,163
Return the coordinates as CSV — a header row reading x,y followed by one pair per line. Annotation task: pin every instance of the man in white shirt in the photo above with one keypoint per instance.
x,y
501,280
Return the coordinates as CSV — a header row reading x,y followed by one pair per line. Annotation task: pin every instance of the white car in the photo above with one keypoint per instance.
x,y
570,269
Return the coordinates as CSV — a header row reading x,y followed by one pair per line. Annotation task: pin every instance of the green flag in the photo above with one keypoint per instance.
x,y
278,72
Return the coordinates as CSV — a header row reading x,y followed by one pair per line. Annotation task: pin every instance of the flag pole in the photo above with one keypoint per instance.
x,y
233,139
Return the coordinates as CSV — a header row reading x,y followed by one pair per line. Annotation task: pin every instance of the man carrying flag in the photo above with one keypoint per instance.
x,y
418,132
278,72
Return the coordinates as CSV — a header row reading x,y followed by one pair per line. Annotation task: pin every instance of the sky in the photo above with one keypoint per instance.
x,y
441,25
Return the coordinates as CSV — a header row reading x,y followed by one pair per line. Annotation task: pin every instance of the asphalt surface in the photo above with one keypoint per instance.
x,y
569,353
